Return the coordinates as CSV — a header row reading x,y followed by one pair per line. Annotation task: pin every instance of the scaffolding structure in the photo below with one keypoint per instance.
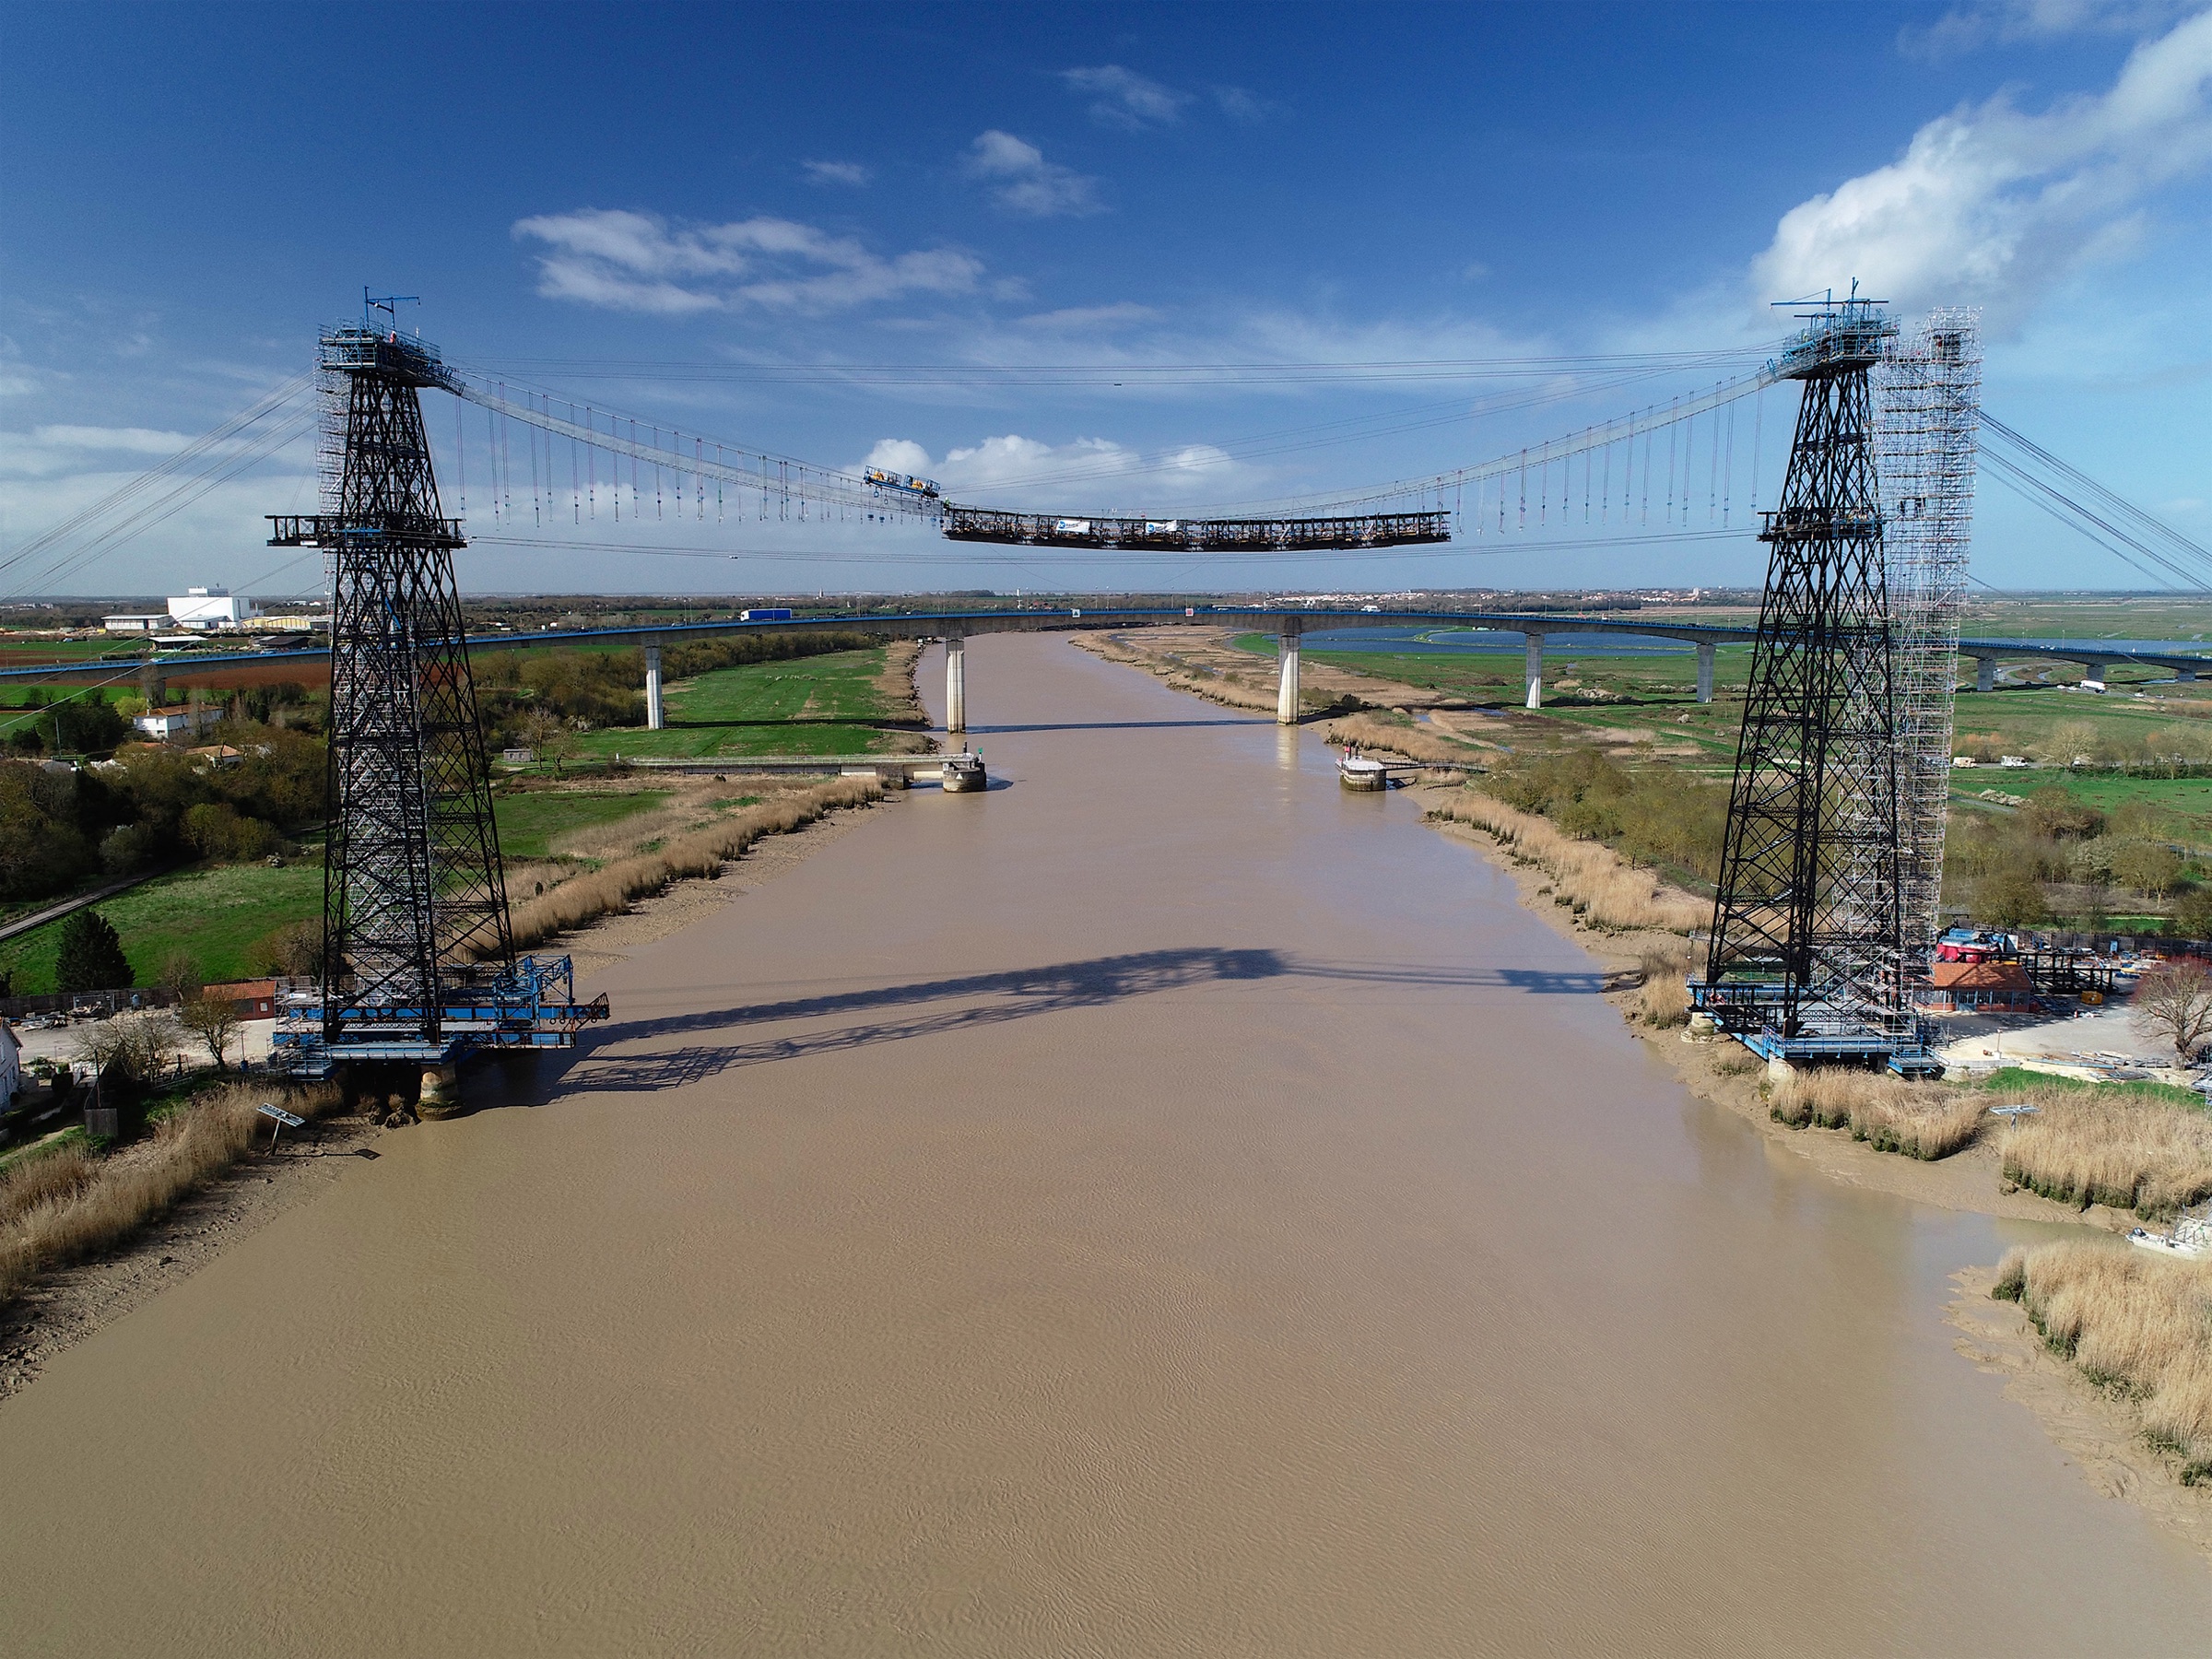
x,y
1807,954
1927,393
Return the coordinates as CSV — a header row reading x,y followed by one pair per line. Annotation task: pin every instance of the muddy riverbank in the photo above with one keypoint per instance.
x,y
1163,1205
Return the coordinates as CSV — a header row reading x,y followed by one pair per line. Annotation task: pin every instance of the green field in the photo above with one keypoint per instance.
x,y
216,915
2045,722
2078,616
820,705
2188,797
530,823
1494,676
1624,694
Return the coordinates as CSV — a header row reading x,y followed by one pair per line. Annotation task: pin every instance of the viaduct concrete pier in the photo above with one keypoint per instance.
x,y
1285,692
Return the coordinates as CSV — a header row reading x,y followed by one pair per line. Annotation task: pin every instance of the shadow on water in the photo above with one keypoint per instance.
x,y
965,1002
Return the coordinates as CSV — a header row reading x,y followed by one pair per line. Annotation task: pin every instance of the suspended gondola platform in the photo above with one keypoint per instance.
x,y
1198,535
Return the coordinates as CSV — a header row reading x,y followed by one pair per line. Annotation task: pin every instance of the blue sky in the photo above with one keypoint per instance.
x,y
694,195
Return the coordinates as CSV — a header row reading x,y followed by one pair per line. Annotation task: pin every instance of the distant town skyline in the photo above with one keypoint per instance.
x,y
1310,237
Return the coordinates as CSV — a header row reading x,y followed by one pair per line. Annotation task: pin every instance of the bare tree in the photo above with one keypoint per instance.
x,y
2173,1004
130,1050
180,973
214,1020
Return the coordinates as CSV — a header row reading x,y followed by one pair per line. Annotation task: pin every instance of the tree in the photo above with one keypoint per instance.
x,y
2056,810
91,956
179,973
41,851
2193,913
83,726
126,849
214,831
2148,866
294,950
127,1053
2173,1005
214,1020
2012,898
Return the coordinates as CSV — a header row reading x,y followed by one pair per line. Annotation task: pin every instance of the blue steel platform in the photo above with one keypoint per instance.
x,y
532,1007
1829,1036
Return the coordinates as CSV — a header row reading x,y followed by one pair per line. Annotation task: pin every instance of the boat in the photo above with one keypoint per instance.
x,y
2190,1241
1355,770
964,774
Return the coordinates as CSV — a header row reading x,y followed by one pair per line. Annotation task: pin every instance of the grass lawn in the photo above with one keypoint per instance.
x,y
529,823
820,705
2013,1077
216,915
2189,797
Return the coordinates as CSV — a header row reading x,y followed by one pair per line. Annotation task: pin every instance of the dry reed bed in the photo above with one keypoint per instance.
x,y
619,885
1600,886
2138,1326
1412,741
1229,692
2152,1155
1661,998
897,686
71,1204
690,805
1920,1120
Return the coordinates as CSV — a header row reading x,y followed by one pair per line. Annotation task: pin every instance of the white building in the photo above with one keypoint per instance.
x,y
206,608
138,622
165,724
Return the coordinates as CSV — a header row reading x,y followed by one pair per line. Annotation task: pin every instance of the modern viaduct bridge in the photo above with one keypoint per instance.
x,y
1289,623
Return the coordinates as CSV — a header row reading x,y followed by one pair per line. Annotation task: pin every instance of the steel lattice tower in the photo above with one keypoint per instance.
x,y
1808,924
413,891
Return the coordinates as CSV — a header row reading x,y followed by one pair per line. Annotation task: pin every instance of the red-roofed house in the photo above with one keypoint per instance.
x,y
253,999
1955,987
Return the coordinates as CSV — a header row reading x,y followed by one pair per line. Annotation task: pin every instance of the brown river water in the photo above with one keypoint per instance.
x,y
1162,1206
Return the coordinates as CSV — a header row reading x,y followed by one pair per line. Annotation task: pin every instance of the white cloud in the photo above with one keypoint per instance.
x,y
1993,206
1076,319
46,450
837,172
639,262
900,455
1239,105
1022,181
1122,98
1983,22
1073,475
220,536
